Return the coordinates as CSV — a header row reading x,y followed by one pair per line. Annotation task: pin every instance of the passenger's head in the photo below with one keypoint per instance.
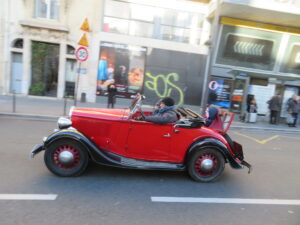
x,y
167,101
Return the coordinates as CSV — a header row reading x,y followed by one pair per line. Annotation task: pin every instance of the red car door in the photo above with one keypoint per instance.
x,y
149,141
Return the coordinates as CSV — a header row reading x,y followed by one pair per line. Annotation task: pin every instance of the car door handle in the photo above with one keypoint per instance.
x,y
167,135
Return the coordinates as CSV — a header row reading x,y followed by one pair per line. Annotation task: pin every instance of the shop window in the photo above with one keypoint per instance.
x,y
140,29
122,64
70,50
114,25
117,9
18,43
47,9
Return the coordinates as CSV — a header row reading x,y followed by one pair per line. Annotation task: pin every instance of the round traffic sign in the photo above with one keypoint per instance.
x,y
82,54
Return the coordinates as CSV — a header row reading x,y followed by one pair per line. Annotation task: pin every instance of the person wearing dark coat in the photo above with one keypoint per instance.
x,y
111,97
293,109
274,106
165,114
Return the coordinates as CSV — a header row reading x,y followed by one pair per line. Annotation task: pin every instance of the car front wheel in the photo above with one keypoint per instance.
x,y
206,165
66,158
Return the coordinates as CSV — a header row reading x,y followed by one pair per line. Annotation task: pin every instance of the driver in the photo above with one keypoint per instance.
x,y
165,112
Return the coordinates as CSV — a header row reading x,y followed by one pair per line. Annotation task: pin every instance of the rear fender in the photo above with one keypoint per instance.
x,y
215,144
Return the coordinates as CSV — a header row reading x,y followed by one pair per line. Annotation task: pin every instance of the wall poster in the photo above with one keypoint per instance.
x,y
123,65
220,92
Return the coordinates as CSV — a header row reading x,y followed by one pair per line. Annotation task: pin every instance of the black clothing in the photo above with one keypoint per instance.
x,y
111,97
274,106
273,117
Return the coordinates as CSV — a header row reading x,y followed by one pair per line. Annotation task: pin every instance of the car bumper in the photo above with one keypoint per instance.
x,y
35,150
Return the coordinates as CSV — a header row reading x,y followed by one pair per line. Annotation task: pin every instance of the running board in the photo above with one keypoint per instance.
x,y
141,164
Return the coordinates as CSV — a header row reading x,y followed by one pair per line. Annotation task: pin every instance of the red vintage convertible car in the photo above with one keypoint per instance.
x,y
114,137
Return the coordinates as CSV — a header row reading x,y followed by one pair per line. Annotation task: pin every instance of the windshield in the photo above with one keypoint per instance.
x,y
134,105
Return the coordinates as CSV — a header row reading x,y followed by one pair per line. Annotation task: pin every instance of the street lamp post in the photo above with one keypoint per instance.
x,y
211,44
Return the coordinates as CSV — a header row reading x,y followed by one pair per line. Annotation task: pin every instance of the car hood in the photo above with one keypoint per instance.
x,y
102,113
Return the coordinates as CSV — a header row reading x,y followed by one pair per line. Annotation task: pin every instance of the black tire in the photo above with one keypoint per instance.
x,y
201,174
74,168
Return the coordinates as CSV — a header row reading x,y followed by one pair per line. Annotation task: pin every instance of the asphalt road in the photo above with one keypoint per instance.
x,y
110,196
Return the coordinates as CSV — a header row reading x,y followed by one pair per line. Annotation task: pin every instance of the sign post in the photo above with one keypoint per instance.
x,y
81,56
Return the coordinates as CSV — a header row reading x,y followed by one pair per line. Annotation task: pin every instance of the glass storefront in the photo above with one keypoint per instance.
x,y
123,65
162,73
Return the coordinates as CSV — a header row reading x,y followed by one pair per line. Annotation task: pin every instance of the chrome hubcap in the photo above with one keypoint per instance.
x,y
66,158
207,164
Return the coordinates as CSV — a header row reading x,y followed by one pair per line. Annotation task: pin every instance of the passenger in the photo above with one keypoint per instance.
x,y
211,114
165,113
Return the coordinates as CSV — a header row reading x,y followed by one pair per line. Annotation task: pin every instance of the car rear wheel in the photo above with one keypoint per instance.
x,y
66,158
206,165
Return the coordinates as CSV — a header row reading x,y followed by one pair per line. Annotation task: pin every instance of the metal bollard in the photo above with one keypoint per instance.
x,y
65,106
14,101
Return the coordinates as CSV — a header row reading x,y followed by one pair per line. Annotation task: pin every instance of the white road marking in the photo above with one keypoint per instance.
x,y
27,197
226,200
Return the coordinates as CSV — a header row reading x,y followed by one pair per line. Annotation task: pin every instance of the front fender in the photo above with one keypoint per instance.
x,y
216,144
95,153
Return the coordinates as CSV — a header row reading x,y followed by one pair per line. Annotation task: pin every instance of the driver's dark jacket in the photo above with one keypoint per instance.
x,y
168,116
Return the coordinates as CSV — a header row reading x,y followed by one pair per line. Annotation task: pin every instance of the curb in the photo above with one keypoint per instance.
x,y
30,116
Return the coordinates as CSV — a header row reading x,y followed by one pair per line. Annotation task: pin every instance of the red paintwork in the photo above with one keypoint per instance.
x,y
112,130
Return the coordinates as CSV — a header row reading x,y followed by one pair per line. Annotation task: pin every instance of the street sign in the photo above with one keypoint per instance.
x,y
81,70
84,41
82,54
85,26
213,85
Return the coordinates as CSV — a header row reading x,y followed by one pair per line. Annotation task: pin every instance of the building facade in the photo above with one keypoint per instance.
x,y
146,46
257,53
159,48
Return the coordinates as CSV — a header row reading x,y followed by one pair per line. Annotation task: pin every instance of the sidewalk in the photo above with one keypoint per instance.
x,y
52,108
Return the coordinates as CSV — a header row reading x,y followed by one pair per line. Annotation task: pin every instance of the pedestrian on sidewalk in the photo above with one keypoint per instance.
x,y
274,107
293,110
111,97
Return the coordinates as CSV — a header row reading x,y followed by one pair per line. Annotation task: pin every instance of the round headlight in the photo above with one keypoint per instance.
x,y
64,123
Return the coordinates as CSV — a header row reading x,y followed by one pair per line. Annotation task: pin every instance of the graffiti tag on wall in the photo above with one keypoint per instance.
x,y
169,86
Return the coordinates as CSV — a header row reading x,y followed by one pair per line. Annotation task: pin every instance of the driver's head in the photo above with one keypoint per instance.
x,y
167,101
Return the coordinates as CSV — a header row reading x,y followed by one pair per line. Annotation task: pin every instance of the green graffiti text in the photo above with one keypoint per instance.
x,y
168,85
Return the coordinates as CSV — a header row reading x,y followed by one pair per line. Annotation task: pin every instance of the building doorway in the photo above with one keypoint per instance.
x,y
16,73
44,62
